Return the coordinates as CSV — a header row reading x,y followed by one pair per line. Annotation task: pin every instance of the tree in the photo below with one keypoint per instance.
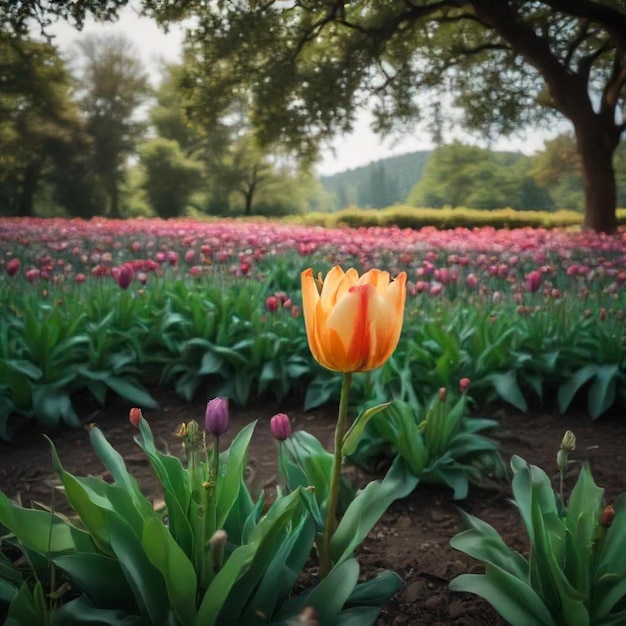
x,y
461,175
112,86
171,177
557,168
40,126
506,63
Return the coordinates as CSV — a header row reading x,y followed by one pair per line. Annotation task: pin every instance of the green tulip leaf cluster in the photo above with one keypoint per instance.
x,y
575,572
439,443
210,554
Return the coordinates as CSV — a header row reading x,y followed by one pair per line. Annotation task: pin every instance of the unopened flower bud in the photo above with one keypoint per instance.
x,y
464,384
216,416
135,416
218,543
606,519
280,426
568,443
442,394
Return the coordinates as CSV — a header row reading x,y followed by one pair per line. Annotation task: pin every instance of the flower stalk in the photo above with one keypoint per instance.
x,y
341,428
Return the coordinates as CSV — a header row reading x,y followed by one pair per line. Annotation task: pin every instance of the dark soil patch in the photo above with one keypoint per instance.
x,y
412,537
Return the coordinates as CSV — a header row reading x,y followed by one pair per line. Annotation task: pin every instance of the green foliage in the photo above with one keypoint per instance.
x,y
113,84
171,178
355,187
439,443
574,573
213,556
41,133
460,175
446,218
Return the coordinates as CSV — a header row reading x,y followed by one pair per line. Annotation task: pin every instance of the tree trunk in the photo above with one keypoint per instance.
x,y
596,152
114,199
25,206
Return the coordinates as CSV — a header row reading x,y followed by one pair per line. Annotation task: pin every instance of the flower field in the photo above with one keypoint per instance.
x,y
214,309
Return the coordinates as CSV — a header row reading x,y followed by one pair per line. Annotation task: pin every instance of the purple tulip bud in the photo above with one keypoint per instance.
x,y
216,416
281,426
533,281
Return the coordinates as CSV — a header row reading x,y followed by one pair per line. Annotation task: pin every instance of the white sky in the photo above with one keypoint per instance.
x,y
359,148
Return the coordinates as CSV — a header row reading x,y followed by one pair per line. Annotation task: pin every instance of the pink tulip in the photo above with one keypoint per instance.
x,y
533,281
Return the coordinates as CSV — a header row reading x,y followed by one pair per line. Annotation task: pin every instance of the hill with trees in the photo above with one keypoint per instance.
x,y
379,184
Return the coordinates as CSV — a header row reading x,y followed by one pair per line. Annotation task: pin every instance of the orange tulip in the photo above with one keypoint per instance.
x,y
353,323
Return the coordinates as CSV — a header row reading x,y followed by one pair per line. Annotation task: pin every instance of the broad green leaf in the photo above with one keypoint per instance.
x,y
229,484
513,598
29,607
483,542
269,534
568,390
376,591
143,577
24,367
80,612
508,389
286,564
353,435
177,570
52,405
87,573
368,507
8,591
330,595
43,532
116,465
131,391
602,390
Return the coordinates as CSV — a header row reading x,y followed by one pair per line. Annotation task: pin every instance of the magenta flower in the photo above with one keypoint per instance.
x,y
13,267
280,426
216,416
533,281
123,275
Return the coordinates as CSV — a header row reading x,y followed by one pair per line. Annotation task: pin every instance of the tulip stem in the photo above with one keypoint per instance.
x,y
326,561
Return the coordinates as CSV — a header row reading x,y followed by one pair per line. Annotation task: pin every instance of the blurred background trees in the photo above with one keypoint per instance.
x,y
235,128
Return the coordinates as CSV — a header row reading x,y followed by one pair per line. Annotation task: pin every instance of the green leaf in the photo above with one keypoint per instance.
x,y
177,570
481,541
568,390
602,390
227,488
368,507
131,391
29,607
24,367
114,462
514,599
143,577
52,404
376,591
331,594
508,389
351,438
87,573
43,532
80,612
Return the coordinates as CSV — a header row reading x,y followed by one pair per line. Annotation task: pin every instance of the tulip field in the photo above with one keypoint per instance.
x,y
118,308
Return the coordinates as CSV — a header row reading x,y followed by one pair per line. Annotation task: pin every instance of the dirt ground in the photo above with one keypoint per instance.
x,y
412,537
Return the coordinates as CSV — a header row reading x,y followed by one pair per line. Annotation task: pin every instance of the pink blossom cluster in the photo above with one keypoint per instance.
x,y
526,260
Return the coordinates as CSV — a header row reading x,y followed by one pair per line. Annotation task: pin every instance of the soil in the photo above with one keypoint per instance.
x,y
412,537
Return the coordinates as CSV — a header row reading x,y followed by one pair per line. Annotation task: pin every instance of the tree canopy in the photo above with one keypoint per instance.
x,y
307,67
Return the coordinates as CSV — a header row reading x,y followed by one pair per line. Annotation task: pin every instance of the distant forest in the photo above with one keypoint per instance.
x,y
379,184
462,175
